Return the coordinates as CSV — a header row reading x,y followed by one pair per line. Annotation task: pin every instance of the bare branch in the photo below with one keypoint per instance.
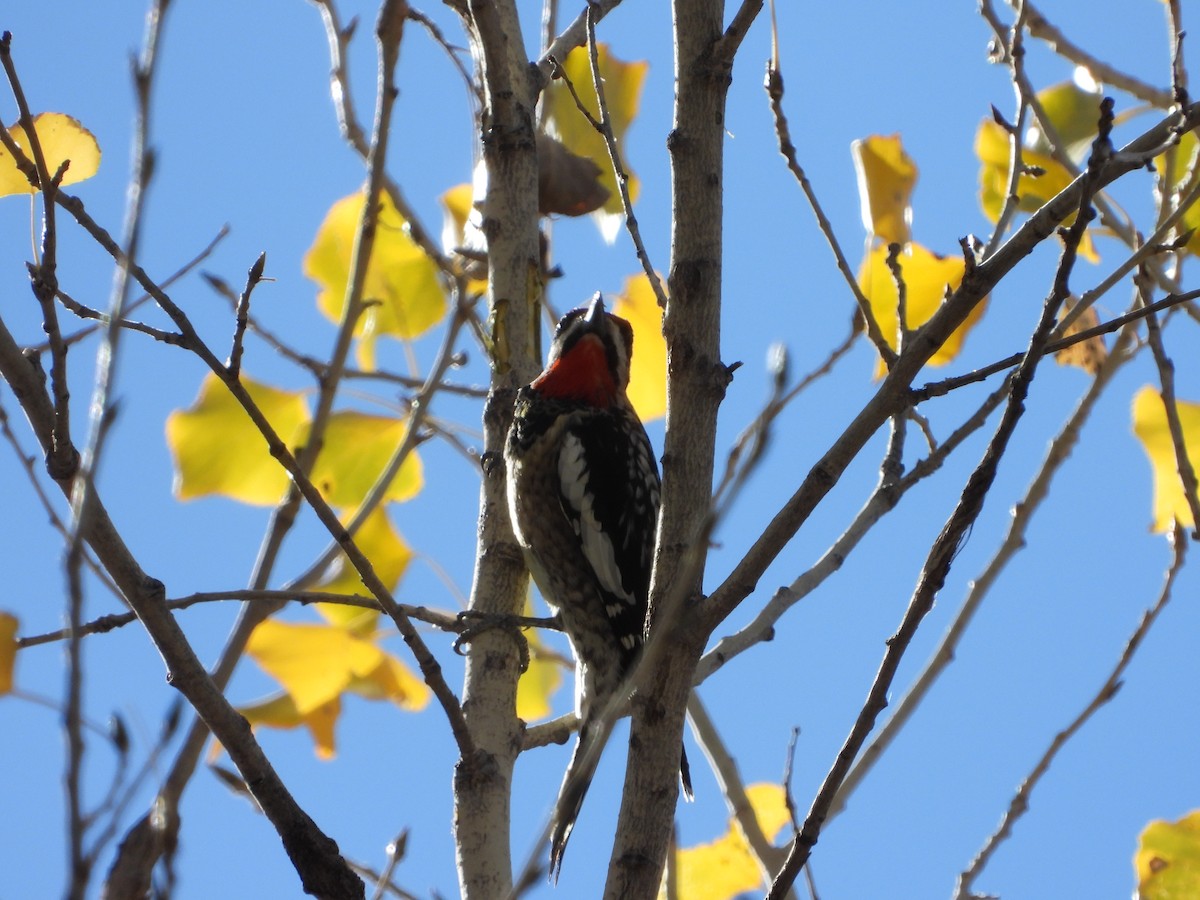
x,y
253,277
1020,801
1166,376
946,385
1014,540
946,546
886,496
575,35
1040,27
724,766
774,86
62,459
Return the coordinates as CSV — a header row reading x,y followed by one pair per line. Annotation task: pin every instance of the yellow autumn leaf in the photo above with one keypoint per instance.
x,y
541,679
355,452
461,230
538,682
316,663
280,711
648,370
1180,164
926,278
1150,426
622,94
1073,109
402,294
218,450
313,663
725,867
458,206
8,651
394,681
1033,190
1167,860
389,556
61,138
886,176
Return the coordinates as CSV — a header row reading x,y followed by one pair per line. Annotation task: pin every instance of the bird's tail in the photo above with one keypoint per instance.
x,y
685,775
574,788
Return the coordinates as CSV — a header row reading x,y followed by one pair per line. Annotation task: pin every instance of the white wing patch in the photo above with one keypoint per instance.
x,y
597,545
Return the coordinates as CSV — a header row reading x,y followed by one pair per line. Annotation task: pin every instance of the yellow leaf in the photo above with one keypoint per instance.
x,y
622,94
218,450
1168,860
61,138
886,176
538,682
458,207
356,450
1150,425
1179,164
648,370
461,230
725,867
992,148
280,712
389,556
313,663
392,680
402,293
8,651
926,278
1073,108
770,807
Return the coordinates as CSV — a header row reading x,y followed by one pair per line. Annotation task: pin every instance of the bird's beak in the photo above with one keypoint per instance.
x,y
595,311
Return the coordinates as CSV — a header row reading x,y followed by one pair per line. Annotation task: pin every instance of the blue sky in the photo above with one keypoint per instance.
x,y
246,135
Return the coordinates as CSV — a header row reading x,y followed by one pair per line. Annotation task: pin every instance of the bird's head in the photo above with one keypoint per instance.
x,y
589,358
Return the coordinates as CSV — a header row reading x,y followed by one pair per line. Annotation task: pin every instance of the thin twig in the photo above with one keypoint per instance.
x,y
945,547
1020,801
574,35
945,386
63,460
445,621
1014,541
1014,53
1143,252
395,853
419,411
86,312
1166,377
27,463
253,277
179,273
733,789
774,86
614,154
885,498
1040,27
338,39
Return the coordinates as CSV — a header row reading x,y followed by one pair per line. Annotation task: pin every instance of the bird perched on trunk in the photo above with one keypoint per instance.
x,y
583,493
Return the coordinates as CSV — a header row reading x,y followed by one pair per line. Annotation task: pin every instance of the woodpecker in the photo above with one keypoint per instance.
x,y
583,494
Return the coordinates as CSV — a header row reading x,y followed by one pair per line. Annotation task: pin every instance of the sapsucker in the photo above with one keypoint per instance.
x,y
583,493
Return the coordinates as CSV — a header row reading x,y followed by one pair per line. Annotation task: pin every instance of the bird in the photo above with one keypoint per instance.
x,y
583,494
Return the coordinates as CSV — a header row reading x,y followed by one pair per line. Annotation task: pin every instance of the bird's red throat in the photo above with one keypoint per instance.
x,y
582,374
